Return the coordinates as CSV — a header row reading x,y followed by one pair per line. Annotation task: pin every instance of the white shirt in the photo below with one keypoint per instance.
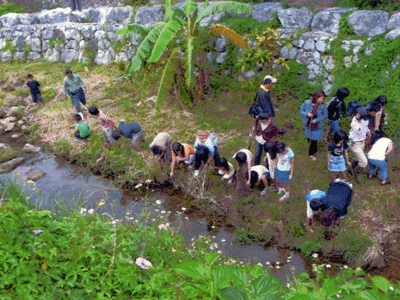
x,y
249,155
284,163
378,150
260,169
359,130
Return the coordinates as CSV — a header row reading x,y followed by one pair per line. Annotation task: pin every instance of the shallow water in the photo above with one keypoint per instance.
x,y
76,188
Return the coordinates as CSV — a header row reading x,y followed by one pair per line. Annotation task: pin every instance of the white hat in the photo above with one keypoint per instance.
x,y
269,77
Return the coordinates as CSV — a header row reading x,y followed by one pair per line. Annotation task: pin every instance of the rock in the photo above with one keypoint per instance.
x,y
295,18
207,20
149,15
367,22
11,165
33,56
347,61
328,63
368,51
288,53
36,175
220,44
54,16
31,148
104,57
68,55
249,74
8,127
304,57
17,135
220,57
352,44
328,19
394,21
391,35
6,56
264,12
52,55
25,129
16,111
4,146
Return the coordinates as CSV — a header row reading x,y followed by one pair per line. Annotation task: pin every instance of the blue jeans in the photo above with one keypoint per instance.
x,y
334,126
259,151
378,164
78,96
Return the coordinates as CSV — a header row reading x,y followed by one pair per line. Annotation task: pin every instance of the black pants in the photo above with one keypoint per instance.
x,y
76,5
313,147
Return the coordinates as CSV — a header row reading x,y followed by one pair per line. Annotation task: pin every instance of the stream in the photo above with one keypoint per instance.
x,y
72,187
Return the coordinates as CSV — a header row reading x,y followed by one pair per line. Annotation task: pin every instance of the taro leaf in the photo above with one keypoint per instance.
x,y
211,257
222,276
303,276
382,283
330,287
266,285
256,271
372,295
233,293
194,269
240,277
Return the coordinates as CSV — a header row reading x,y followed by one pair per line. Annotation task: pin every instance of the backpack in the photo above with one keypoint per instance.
x,y
255,110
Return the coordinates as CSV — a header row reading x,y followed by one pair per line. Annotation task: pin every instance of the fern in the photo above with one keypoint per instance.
x,y
166,35
167,78
232,35
144,48
228,7
189,62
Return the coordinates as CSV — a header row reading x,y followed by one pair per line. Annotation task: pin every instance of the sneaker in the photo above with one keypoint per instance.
x,y
196,173
264,192
285,197
280,191
312,157
220,172
81,116
387,181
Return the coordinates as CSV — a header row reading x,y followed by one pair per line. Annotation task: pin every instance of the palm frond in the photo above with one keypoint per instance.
x,y
144,48
189,62
232,35
133,29
190,7
228,7
168,9
166,35
167,78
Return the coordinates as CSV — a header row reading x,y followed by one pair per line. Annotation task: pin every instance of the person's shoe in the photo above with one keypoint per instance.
x,y
280,191
387,181
196,173
285,197
282,131
220,172
81,116
312,157
371,176
264,192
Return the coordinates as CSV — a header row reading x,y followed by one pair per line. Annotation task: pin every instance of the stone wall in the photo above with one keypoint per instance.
x,y
62,35
38,5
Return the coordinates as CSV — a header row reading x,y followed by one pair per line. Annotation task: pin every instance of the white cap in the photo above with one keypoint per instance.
x,y
270,78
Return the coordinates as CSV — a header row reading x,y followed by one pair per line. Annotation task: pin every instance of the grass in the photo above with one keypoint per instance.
x,y
225,113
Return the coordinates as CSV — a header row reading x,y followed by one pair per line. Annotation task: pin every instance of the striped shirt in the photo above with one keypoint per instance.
x,y
105,122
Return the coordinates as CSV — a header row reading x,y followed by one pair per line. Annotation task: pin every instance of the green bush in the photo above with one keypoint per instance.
x,y
11,8
389,6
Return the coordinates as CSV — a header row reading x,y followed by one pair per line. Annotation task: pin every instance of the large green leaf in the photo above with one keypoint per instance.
x,y
372,295
210,258
134,29
144,48
228,7
222,276
167,77
382,283
194,269
189,62
168,9
330,287
166,35
190,7
233,293
266,285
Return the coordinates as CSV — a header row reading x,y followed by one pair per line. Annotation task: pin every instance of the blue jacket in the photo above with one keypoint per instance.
x,y
306,108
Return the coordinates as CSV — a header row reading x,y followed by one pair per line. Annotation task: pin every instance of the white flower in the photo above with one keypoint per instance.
x,y
143,263
93,247
158,202
183,208
90,211
219,251
173,250
391,288
267,263
288,284
163,211
345,267
138,186
315,255
37,231
163,226
328,266
277,266
101,202
223,240
148,181
277,262
83,210
260,264
115,222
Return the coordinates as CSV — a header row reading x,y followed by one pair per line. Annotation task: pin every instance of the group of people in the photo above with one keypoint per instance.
x,y
276,168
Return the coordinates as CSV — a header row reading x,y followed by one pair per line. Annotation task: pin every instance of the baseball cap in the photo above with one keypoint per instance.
x,y
269,78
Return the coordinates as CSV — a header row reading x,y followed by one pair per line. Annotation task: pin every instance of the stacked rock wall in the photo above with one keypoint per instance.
x,y
63,35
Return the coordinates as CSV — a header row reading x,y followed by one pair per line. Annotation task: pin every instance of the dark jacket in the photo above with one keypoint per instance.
x,y
335,108
264,100
339,197
269,134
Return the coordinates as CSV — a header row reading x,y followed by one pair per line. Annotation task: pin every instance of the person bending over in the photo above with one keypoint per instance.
x,y
107,124
226,169
259,174
161,147
82,128
243,159
381,147
133,131
181,153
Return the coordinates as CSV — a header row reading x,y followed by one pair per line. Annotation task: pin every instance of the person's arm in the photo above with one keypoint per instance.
x,y
322,116
303,109
346,156
329,159
172,167
291,168
248,172
65,88
389,148
310,218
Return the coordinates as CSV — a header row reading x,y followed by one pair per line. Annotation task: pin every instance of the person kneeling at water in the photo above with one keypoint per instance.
x,y
226,169
82,128
259,174
132,131
333,204
107,124
181,153
161,147
243,158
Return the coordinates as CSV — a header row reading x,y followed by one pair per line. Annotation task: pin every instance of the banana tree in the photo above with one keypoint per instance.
x,y
159,41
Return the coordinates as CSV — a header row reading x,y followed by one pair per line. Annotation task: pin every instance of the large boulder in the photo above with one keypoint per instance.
x,y
368,22
264,12
391,35
68,55
314,40
328,19
11,165
54,16
31,148
13,19
295,18
36,175
148,15
394,21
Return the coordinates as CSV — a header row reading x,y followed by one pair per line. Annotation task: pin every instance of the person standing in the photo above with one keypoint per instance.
x,y
335,109
284,170
73,86
377,156
76,5
359,133
266,134
338,156
34,88
263,96
313,114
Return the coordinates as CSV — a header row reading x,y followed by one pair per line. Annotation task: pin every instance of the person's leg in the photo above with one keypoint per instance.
x,y
313,148
265,182
78,5
259,150
382,166
333,176
73,5
372,168
77,135
108,136
136,138
75,102
81,95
